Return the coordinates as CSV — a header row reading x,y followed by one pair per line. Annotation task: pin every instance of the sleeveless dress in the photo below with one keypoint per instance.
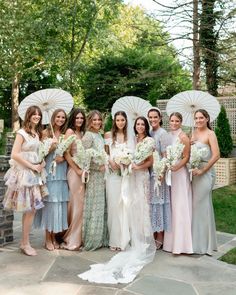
x,y
160,203
125,266
179,239
117,208
73,235
23,184
95,211
53,217
203,222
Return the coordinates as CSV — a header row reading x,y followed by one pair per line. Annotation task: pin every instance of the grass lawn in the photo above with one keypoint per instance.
x,y
229,257
224,201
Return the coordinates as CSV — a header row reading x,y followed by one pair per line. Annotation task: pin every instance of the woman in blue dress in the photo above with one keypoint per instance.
x,y
160,198
53,217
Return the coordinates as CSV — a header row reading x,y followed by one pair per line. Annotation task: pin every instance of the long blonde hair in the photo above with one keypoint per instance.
x,y
90,119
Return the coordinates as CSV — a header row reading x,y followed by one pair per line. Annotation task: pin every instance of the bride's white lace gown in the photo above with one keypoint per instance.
x,y
124,266
117,208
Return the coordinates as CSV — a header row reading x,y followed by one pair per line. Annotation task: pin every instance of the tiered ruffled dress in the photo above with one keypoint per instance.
x,y
53,217
23,185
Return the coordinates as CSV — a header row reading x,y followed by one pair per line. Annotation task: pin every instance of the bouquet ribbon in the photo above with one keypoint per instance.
x,y
168,177
84,178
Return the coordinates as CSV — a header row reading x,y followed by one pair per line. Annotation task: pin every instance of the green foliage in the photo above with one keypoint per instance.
x,y
223,134
108,122
224,201
137,72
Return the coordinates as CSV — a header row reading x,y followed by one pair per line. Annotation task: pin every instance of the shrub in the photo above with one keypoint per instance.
x,y
223,134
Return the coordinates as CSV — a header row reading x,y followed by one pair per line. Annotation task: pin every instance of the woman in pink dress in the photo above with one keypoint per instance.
x,y
73,236
179,239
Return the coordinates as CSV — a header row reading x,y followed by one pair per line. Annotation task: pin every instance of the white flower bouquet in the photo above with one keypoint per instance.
x,y
173,155
196,156
143,150
63,145
80,158
159,166
61,148
98,157
44,148
123,157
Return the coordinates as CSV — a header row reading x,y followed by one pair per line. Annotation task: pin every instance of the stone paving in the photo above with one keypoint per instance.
x,y
55,273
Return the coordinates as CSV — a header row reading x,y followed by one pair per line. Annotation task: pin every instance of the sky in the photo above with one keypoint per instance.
x,y
151,7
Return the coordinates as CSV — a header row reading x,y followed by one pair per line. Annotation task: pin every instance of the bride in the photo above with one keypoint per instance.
x,y
124,266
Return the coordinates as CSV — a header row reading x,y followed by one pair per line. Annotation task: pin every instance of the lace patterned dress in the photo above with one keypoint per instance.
x,y
95,233
203,222
23,184
160,203
117,209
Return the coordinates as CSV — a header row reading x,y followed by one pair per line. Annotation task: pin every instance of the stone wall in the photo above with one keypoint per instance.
x,y
6,217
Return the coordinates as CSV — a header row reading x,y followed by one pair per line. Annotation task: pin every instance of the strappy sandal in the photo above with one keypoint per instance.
x,y
158,244
112,248
28,250
49,246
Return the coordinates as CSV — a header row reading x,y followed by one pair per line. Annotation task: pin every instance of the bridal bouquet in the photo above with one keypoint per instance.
x,y
173,154
143,150
123,157
61,148
159,166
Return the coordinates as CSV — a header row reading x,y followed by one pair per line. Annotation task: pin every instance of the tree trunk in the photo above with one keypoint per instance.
x,y
209,39
196,47
15,103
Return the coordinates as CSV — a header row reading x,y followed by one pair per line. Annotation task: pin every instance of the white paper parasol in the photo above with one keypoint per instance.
x,y
188,102
133,106
48,100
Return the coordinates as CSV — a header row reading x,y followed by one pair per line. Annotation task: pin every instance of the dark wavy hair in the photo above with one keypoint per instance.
x,y
27,124
114,128
72,119
158,112
145,123
206,115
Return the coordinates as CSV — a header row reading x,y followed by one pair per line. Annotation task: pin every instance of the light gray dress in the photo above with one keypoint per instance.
x,y
203,222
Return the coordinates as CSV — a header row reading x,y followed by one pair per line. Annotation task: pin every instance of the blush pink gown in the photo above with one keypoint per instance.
x,y
179,239
73,236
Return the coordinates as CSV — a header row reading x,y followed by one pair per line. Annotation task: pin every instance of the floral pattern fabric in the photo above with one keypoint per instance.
x,y
95,233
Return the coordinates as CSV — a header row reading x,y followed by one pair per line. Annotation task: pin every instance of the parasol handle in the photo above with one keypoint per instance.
x,y
53,134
